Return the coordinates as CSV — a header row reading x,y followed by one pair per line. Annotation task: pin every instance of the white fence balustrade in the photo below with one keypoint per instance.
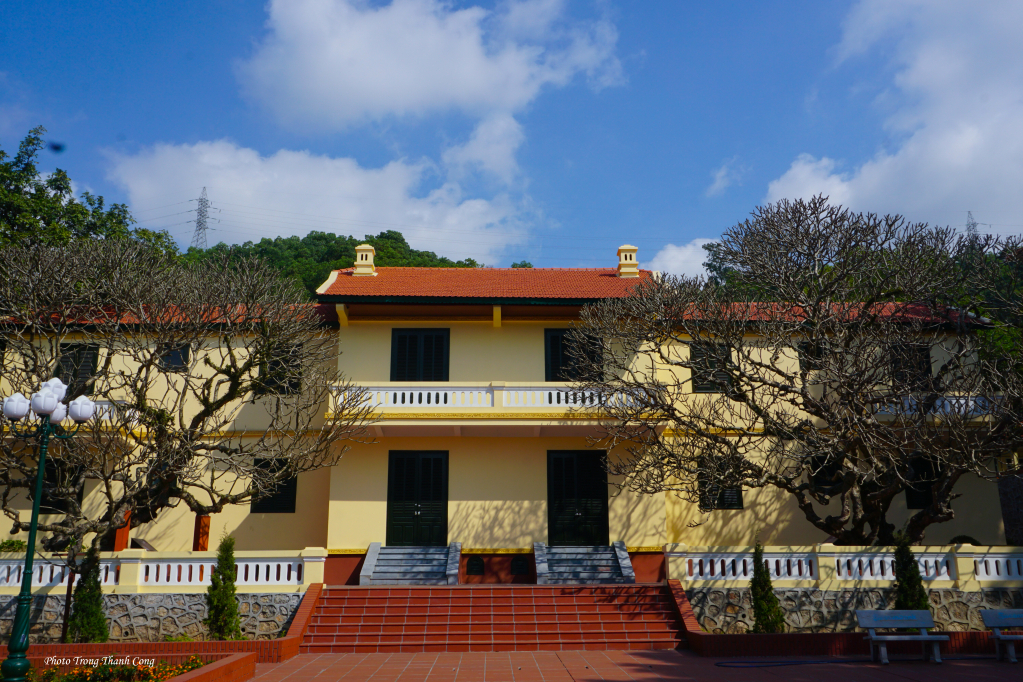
x,y
740,566
45,574
172,572
999,567
420,397
556,396
882,566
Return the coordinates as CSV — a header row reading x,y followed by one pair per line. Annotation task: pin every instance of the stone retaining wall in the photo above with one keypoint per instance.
x,y
810,610
154,617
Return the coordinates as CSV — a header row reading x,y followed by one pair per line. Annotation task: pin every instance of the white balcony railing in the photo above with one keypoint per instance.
x,y
549,396
845,564
175,572
553,397
727,566
427,397
882,566
147,571
995,566
45,574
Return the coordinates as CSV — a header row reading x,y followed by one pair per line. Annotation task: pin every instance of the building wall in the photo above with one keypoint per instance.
x,y
774,514
497,494
480,352
173,530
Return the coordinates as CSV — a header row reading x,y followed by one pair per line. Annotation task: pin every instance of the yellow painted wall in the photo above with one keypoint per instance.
x,y
780,522
307,527
480,352
497,494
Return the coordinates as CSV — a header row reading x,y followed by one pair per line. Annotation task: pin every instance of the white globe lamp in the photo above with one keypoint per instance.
x,y
16,407
81,409
58,387
44,402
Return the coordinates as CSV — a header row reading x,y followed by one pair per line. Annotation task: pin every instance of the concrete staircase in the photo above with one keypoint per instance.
x,y
492,618
583,565
411,565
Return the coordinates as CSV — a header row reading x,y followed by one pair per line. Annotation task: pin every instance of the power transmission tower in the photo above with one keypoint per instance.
x,y
202,214
971,226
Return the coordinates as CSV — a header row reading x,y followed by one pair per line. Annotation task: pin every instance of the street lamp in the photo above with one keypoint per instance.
x,y
48,406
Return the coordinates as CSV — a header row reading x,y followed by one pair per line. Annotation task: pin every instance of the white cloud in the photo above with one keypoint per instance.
x,y
724,177
332,63
491,148
293,192
955,107
686,259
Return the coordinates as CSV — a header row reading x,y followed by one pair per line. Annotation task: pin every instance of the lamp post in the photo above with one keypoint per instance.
x,y
46,403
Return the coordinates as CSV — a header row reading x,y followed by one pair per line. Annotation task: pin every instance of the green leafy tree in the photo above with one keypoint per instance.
x,y
311,258
88,623
222,618
767,614
910,594
42,209
522,264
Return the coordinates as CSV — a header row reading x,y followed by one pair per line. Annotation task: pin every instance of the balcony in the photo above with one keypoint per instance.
x,y
492,408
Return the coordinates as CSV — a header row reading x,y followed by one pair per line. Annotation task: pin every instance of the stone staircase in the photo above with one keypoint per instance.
x,y
583,565
411,565
492,618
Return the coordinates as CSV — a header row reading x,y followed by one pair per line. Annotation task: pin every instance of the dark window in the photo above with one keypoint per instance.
x,y
811,356
59,480
520,565
559,363
176,359
922,475
824,470
77,367
708,363
282,374
715,496
419,354
474,566
911,367
282,501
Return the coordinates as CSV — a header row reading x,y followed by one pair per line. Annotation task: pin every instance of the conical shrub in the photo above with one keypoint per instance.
x,y
910,594
88,623
767,613
222,620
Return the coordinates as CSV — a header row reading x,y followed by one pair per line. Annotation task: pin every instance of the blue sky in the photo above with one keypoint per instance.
x,y
547,130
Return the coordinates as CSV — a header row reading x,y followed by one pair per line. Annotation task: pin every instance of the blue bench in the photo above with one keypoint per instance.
x,y
995,620
872,621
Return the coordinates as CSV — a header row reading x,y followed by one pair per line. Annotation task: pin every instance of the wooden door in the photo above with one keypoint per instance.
x,y
417,498
576,498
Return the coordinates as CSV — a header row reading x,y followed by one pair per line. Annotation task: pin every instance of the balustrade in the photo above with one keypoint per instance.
x,y
136,570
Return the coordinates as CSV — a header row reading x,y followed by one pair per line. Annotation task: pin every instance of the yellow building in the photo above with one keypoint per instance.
x,y
478,440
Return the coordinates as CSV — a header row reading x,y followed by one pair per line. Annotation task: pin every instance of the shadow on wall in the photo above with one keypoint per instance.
x,y
640,519
497,524
771,513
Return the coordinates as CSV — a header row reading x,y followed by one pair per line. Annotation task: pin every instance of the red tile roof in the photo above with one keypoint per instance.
x,y
486,283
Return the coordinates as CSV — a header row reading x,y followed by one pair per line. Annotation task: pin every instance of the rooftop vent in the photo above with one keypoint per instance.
x,y
364,267
628,266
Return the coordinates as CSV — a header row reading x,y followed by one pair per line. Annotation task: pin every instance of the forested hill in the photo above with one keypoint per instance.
x,y
311,258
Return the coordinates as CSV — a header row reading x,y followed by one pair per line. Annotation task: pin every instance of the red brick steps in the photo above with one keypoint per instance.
x,y
492,618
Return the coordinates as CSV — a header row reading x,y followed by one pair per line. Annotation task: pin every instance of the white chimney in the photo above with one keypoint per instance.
x,y
628,266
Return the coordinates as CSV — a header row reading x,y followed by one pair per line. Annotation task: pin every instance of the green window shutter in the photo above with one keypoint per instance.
x,y
555,356
77,367
420,354
283,500
707,373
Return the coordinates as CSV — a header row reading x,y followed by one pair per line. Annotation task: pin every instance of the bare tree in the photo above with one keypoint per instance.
x,y
214,383
841,364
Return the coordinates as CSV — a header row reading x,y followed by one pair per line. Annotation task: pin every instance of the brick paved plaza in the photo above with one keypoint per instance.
x,y
613,666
